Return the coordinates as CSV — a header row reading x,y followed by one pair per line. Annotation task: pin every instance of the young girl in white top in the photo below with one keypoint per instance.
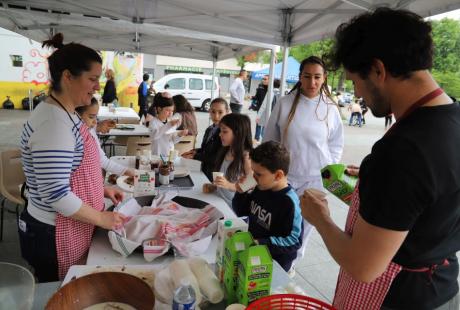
x,y
88,115
163,129
307,122
233,158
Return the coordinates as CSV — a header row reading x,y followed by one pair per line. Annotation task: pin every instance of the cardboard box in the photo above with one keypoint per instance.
x,y
237,243
225,229
338,183
255,272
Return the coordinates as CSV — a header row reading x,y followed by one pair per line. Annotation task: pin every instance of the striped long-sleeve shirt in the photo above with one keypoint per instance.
x,y
52,149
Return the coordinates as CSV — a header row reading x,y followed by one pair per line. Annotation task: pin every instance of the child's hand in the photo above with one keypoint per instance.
x,y
189,154
182,133
223,183
174,122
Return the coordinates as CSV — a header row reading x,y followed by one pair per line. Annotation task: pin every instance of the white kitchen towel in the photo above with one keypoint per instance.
x,y
163,225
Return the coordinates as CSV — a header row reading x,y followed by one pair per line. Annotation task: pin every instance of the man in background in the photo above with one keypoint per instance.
x,y
237,92
142,92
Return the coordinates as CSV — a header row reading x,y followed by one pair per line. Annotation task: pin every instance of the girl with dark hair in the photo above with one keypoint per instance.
x,y
88,114
233,158
62,168
162,128
308,123
211,143
187,114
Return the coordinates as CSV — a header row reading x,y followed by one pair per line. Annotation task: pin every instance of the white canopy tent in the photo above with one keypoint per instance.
x,y
200,29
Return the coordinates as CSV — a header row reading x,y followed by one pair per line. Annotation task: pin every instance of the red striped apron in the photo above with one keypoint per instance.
x,y
73,238
351,294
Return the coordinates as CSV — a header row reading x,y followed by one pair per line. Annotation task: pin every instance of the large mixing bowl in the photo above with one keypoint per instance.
x,y
17,285
96,288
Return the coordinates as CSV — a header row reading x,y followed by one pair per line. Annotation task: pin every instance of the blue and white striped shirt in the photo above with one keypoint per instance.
x,y
52,149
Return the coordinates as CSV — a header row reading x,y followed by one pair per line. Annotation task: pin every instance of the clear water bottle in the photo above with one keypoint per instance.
x,y
184,296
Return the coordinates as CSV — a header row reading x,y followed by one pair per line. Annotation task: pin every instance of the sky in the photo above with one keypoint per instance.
x,y
452,14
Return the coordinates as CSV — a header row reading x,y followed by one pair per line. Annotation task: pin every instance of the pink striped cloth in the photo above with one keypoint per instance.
x,y
163,225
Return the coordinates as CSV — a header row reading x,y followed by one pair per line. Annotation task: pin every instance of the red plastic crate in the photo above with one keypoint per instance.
x,y
289,302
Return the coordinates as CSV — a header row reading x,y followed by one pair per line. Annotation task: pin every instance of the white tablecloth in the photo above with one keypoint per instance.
x,y
121,113
139,130
101,253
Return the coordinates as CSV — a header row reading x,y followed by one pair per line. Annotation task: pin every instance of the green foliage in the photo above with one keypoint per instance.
x,y
241,62
318,48
446,60
449,81
446,39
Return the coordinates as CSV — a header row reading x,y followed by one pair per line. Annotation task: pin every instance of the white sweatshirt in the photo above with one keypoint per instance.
x,y
237,91
107,164
312,141
163,137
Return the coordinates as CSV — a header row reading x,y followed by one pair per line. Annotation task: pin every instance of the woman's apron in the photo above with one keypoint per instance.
x,y
73,238
351,294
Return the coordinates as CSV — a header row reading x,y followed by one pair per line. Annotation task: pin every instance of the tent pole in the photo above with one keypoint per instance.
x,y
271,77
284,68
214,62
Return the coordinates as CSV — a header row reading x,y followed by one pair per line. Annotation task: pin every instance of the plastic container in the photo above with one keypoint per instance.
x,y
17,285
289,302
163,176
184,297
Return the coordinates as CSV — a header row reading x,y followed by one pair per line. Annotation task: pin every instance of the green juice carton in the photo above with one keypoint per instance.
x,y
237,243
225,229
338,183
254,274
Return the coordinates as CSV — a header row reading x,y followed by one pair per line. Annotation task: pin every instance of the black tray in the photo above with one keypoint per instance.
x,y
182,182
183,201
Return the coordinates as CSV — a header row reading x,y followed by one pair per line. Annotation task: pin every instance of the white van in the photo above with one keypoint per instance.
x,y
195,87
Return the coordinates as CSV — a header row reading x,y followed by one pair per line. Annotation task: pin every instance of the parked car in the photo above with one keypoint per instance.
x,y
347,97
195,87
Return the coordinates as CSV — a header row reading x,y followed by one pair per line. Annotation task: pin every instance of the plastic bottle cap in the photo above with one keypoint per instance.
x,y
228,223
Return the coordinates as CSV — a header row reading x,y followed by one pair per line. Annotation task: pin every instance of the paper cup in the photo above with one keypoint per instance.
x,y
248,183
217,174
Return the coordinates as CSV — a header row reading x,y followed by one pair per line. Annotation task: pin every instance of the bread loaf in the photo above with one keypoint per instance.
x,y
207,280
180,269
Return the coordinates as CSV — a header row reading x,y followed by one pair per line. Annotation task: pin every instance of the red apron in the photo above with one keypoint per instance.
x,y
351,294
73,238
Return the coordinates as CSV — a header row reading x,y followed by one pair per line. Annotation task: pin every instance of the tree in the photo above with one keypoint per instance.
x,y
241,62
446,39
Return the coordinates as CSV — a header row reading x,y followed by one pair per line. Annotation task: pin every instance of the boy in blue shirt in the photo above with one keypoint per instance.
x,y
272,206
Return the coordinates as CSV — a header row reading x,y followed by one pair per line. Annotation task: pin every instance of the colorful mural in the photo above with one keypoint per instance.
x,y
36,70
128,75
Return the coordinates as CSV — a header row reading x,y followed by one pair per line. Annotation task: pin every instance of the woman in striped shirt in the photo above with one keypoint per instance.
x,y
61,163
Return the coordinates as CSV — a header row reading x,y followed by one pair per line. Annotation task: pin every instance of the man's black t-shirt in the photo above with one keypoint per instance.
x,y
411,182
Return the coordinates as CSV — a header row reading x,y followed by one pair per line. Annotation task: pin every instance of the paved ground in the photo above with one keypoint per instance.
x,y
316,273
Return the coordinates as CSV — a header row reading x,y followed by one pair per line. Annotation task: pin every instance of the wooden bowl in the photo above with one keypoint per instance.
x,y
103,287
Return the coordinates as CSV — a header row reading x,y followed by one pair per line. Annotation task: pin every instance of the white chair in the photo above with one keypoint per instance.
x,y
137,143
185,144
11,179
